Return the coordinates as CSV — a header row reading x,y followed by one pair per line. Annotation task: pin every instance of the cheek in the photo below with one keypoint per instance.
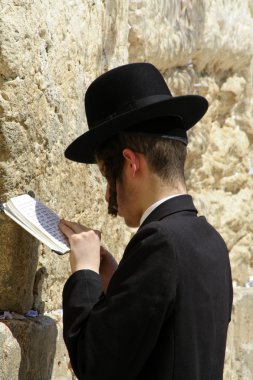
x,y
118,192
107,193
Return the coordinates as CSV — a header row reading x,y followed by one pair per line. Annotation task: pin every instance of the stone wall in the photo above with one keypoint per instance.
x,y
49,53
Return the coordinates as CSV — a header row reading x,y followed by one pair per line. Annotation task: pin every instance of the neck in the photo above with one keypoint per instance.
x,y
156,189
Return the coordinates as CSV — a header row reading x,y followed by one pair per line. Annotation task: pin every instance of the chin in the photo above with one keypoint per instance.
x,y
131,223
130,220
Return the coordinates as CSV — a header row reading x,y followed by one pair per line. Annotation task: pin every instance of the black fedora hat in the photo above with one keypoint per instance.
x,y
133,97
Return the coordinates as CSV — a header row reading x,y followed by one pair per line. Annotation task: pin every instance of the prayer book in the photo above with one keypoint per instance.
x,y
39,220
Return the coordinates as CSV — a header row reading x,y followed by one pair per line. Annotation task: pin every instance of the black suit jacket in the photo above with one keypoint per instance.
x,y
166,312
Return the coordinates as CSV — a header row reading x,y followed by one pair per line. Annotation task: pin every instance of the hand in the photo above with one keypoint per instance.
x,y
108,266
84,244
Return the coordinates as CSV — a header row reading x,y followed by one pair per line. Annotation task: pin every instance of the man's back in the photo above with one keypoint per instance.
x,y
189,293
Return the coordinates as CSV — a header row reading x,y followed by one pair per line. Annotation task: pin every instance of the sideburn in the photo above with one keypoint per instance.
x,y
112,203
111,158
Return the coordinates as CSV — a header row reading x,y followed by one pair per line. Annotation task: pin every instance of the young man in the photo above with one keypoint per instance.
x,y
163,313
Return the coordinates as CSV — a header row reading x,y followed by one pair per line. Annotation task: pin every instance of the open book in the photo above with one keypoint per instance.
x,y
39,220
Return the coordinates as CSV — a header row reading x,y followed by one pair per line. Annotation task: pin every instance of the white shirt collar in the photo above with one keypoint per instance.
x,y
154,206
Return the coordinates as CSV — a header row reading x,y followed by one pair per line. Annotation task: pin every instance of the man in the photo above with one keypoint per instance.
x,y
163,313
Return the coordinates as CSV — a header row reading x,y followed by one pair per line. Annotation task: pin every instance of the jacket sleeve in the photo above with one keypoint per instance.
x,y
80,293
111,336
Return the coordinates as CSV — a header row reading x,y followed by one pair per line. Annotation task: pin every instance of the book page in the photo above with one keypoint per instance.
x,y
38,215
36,232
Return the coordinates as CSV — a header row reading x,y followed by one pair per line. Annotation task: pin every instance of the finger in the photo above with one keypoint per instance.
x,y
98,233
67,231
75,227
103,251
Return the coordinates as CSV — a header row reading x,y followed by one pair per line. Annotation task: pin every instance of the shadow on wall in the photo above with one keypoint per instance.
x,y
37,340
38,303
20,290
19,253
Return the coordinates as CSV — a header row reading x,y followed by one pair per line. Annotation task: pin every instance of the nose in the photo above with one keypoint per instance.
x,y
107,193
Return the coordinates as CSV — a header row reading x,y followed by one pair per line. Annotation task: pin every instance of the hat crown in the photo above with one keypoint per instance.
x,y
134,98
116,91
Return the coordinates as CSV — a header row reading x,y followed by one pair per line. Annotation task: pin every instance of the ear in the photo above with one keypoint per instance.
x,y
132,159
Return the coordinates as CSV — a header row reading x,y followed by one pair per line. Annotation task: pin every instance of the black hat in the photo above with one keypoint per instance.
x,y
136,98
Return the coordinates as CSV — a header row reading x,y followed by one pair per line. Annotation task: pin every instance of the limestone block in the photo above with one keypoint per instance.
x,y
239,354
224,160
224,46
200,31
16,278
42,353
48,58
232,216
173,42
10,354
61,366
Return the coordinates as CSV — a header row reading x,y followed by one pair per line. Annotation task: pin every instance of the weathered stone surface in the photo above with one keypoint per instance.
x,y
10,354
239,355
34,349
47,61
50,52
19,256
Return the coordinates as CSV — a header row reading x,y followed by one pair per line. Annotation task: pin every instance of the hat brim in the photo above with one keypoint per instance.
x,y
189,108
